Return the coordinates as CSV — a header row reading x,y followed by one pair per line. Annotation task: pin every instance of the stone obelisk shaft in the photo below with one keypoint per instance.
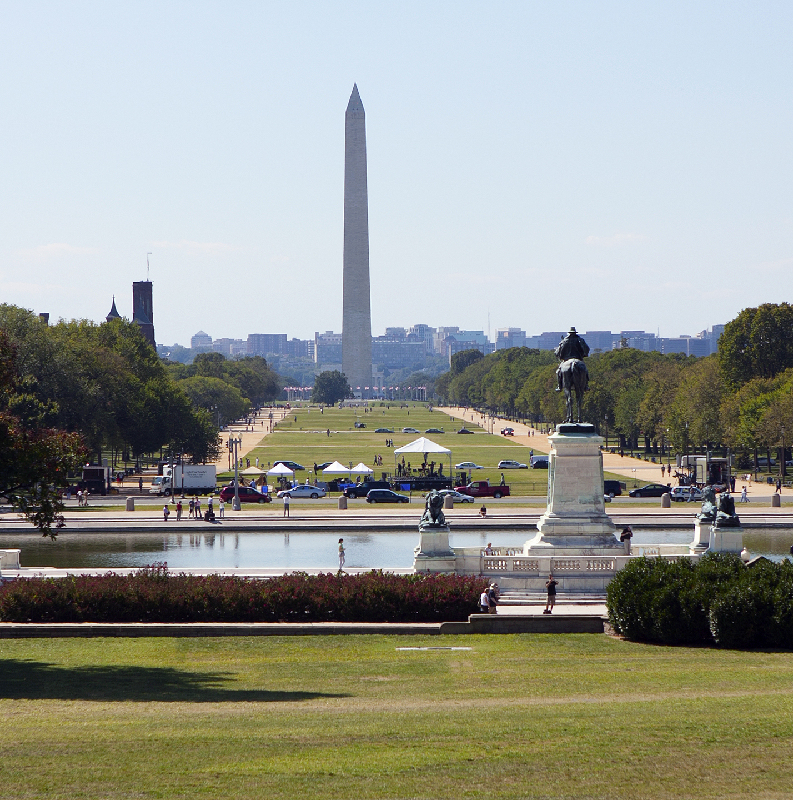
x,y
356,342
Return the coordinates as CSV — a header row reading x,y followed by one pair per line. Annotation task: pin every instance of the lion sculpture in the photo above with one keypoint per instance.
x,y
433,511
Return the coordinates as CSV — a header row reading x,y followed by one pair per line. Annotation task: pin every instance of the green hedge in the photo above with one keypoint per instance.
x,y
716,599
155,595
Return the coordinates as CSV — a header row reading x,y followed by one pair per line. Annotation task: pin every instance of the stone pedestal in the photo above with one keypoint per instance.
x,y
342,503
433,553
130,504
726,540
701,537
575,520
776,501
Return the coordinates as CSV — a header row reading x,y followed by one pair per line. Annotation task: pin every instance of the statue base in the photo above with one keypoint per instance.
x,y
726,540
433,553
701,536
575,520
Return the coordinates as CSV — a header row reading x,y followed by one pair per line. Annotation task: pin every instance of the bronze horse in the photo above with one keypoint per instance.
x,y
574,378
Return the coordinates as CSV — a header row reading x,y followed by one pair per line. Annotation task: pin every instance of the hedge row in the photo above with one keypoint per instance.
x,y
154,595
717,599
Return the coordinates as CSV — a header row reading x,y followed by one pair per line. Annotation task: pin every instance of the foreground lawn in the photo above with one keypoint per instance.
x,y
354,717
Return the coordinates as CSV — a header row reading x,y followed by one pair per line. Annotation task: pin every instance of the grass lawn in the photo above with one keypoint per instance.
x,y
305,441
353,717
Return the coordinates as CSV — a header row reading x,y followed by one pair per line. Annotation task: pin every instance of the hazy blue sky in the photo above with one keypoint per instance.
x,y
610,165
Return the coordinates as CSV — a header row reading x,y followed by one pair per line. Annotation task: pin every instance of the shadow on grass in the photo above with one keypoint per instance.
x,y
36,680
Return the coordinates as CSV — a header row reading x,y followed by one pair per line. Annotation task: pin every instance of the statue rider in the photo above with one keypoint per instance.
x,y
572,346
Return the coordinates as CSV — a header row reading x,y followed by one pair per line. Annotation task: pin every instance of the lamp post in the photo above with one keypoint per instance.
x,y
782,464
235,442
606,423
687,467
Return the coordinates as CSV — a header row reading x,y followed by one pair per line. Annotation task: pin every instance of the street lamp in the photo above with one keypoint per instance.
x,y
782,463
606,422
235,442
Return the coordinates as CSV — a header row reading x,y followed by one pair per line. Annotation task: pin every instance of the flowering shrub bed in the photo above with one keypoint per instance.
x,y
717,599
154,595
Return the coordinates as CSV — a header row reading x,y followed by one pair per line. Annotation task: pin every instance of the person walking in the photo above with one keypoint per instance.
x,y
341,555
744,498
492,598
166,512
179,511
140,485
191,508
550,586
286,504
221,508
484,602
198,508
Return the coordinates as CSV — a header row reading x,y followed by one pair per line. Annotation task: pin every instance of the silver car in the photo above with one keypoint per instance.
x,y
303,490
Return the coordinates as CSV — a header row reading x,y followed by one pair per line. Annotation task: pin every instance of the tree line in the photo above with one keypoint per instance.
x,y
741,397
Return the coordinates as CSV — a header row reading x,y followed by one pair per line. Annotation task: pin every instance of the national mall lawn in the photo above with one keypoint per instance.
x,y
305,441
565,716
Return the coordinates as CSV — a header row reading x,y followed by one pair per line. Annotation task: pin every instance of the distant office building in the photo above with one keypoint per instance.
x,y
262,344
698,346
327,349
600,341
394,353
230,347
143,309
299,348
675,345
549,340
201,340
509,337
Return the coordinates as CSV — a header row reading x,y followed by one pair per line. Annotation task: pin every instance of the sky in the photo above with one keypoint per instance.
x,y
608,165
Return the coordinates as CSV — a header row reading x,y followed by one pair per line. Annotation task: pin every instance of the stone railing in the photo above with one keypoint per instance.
x,y
507,561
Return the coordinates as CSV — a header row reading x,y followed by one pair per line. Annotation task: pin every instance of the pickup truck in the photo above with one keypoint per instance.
x,y
483,489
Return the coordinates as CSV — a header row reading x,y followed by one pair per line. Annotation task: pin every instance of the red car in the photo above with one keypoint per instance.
x,y
247,495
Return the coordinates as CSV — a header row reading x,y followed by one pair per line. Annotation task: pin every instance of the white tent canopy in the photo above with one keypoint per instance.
x,y
252,471
422,445
280,470
362,469
336,469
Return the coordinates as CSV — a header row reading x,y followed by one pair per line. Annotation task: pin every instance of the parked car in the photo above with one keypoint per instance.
x,y
410,430
613,488
322,466
539,462
507,431
464,430
468,465
303,490
354,490
682,494
384,430
456,496
385,496
247,495
511,465
434,430
293,465
650,490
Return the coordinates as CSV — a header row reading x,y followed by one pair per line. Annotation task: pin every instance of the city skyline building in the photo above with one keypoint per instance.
x,y
356,305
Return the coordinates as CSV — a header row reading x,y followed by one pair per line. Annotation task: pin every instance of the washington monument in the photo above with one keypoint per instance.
x,y
356,332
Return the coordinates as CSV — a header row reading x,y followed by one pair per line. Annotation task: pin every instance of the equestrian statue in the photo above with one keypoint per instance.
x,y
572,373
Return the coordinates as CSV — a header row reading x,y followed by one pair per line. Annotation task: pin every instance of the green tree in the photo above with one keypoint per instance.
x,y
758,343
215,395
330,387
35,461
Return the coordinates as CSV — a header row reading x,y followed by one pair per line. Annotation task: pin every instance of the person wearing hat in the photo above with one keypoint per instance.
x,y
572,346
492,598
